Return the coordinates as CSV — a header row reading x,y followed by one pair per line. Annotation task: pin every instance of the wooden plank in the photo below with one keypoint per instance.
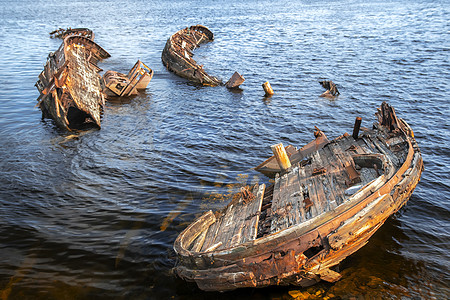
x,y
225,231
320,197
279,204
300,200
248,212
341,160
304,174
251,226
379,144
238,224
292,215
197,245
328,180
211,234
338,177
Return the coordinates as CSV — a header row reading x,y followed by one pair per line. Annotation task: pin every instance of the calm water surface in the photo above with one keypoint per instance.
x,y
93,215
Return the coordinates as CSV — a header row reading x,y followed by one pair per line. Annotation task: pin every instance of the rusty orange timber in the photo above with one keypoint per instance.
x,y
177,55
69,85
319,211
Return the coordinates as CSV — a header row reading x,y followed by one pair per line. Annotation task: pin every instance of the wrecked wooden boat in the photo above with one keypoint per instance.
x,y
62,33
320,210
178,54
69,86
121,85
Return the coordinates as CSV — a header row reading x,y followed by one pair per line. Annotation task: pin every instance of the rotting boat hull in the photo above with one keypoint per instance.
x,y
69,85
303,254
177,54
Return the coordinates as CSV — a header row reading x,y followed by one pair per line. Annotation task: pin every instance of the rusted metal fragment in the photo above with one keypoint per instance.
x,y
291,250
121,85
69,85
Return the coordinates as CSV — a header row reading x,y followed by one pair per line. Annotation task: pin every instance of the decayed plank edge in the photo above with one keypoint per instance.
x,y
211,234
278,203
259,198
195,229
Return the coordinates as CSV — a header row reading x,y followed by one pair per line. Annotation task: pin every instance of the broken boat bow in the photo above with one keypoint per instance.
x,y
69,85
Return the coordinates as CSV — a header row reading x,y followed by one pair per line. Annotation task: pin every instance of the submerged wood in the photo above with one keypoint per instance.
x,y
331,89
321,210
69,85
177,55
121,85
235,81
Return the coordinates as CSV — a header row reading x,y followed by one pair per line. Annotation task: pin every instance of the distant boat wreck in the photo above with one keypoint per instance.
x,y
320,210
72,92
178,54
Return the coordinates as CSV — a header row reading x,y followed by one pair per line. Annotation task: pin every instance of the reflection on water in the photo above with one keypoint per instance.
x,y
94,214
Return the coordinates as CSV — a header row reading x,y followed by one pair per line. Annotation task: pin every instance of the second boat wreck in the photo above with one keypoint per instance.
x,y
320,210
178,54
72,92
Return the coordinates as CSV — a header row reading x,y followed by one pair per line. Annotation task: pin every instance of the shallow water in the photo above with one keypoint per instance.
x,y
94,214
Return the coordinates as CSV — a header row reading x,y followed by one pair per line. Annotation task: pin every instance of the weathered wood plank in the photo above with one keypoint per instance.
x,y
239,222
279,204
199,241
251,225
211,234
304,174
329,187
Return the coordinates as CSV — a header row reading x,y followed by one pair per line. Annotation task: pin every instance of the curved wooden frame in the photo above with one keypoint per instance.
x,y
177,55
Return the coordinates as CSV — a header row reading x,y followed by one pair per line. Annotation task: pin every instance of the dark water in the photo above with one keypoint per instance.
x,y
93,215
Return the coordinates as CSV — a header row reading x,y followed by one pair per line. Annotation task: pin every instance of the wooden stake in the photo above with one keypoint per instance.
x,y
267,88
356,127
281,156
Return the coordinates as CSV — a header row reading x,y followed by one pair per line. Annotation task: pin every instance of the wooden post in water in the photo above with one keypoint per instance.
x,y
356,127
267,89
235,81
281,156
